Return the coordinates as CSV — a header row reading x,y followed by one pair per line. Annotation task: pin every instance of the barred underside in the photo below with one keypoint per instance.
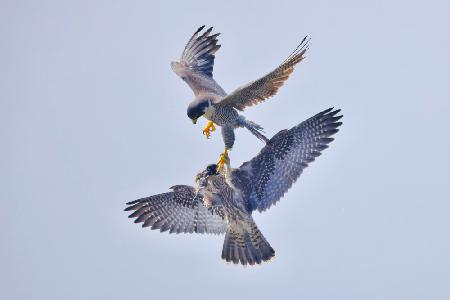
x,y
180,211
245,244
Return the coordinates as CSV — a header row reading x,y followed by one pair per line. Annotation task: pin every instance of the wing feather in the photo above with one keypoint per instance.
x,y
197,62
267,86
272,172
179,211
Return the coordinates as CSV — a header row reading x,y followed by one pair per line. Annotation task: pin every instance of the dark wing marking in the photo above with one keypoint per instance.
x,y
179,211
197,62
269,175
198,55
267,86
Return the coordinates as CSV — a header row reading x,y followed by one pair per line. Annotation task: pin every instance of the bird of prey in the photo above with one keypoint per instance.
x,y
222,201
211,101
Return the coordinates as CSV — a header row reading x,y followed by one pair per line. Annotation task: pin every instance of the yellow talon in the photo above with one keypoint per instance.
x,y
208,129
223,159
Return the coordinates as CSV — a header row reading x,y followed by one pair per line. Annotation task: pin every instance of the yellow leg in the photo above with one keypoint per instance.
x,y
208,129
223,159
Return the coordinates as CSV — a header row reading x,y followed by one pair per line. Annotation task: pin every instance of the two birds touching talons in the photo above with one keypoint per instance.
x,y
224,158
223,198
223,201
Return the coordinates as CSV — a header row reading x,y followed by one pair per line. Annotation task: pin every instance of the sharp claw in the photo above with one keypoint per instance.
x,y
223,159
208,128
219,166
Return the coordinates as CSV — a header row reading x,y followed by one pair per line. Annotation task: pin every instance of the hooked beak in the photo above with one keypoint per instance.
x,y
194,121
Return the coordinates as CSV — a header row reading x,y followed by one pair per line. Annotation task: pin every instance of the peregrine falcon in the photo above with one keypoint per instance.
x,y
211,101
222,201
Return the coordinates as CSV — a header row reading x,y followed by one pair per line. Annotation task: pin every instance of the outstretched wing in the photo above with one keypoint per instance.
x,y
179,211
197,62
269,175
267,86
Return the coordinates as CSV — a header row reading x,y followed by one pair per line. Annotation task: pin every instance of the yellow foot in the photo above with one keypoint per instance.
x,y
223,159
208,129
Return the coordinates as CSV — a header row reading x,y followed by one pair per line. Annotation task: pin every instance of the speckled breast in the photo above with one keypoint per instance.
x,y
221,115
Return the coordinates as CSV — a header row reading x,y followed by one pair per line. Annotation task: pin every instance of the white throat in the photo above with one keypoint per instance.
x,y
209,113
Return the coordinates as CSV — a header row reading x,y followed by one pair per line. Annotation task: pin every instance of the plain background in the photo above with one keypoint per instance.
x,y
92,117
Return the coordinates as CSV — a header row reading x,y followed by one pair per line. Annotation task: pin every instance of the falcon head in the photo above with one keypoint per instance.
x,y
202,178
209,185
197,108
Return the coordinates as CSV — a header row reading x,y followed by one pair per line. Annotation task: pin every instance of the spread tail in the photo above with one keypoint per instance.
x,y
255,129
245,244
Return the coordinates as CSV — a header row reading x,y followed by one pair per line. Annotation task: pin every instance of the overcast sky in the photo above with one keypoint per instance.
x,y
92,117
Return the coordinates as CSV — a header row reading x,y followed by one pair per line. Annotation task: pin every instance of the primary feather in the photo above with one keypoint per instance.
x,y
223,202
196,69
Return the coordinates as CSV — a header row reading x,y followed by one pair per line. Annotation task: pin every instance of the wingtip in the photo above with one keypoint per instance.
x,y
334,112
304,39
132,202
327,110
200,28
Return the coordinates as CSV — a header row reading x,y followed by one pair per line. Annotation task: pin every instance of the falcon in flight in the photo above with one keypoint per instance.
x,y
211,101
223,200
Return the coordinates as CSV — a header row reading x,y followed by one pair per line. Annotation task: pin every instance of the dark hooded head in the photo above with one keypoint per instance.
x,y
211,170
202,177
197,108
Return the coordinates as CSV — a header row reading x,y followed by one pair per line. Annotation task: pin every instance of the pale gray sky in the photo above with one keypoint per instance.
x,y
92,117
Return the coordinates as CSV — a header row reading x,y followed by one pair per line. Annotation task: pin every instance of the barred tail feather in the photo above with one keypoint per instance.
x,y
245,244
255,129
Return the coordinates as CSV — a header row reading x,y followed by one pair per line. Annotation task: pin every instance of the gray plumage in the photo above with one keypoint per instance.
x,y
223,202
196,69
178,211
